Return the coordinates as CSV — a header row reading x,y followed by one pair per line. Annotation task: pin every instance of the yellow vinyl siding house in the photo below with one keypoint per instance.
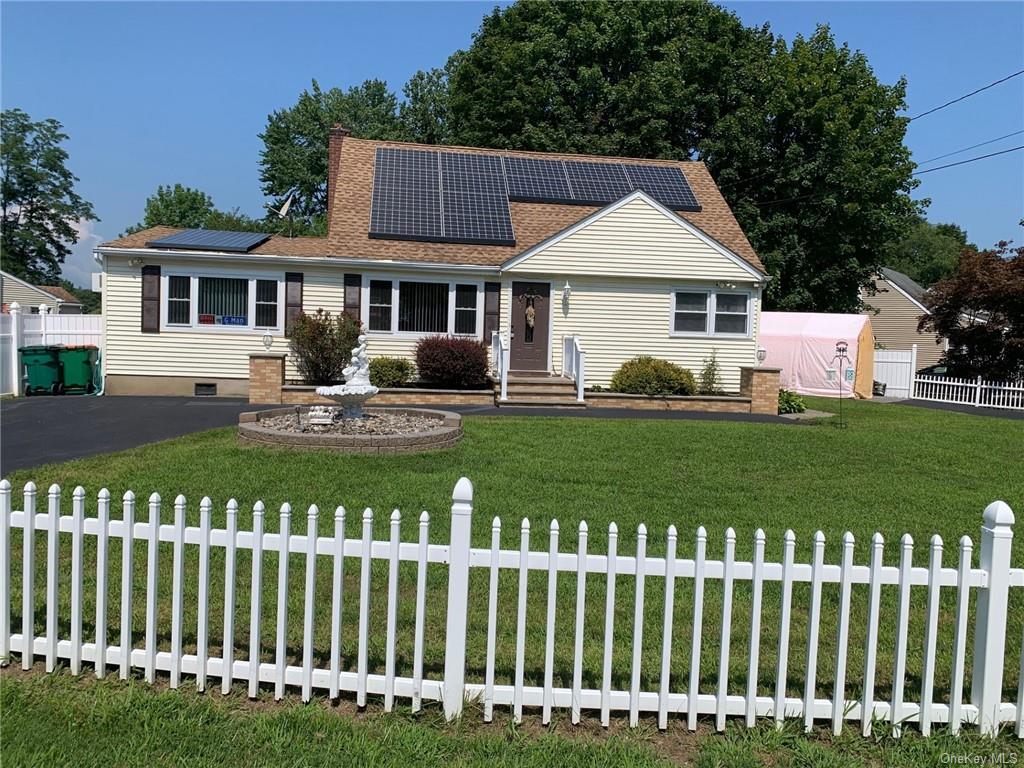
x,y
626,278
895,308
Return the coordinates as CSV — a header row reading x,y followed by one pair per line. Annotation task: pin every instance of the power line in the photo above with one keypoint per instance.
x,y
967,95
973,146
969,160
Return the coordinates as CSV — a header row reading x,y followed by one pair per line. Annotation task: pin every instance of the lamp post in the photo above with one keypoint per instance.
x,y
841,357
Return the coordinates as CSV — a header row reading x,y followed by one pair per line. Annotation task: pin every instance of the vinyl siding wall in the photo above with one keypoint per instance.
x,y
895,325
27,298
622,270
225,355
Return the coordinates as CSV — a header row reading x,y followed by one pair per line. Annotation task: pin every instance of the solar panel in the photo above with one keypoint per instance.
x,y
596,183
474,200
406,202
211,240
664,183
533,180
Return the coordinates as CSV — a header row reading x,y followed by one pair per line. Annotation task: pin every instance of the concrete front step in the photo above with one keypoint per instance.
x,y
548,393
539,380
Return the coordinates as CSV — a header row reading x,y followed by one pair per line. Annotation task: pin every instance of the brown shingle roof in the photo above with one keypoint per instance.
x,y
60,293
532,222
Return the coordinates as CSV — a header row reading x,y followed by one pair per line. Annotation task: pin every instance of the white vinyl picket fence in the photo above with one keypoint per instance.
x,y
990,581
895,368
21,329
977,392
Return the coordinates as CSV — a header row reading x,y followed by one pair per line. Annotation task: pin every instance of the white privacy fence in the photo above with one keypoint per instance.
x,y
679,692
21,329
895,368
977,392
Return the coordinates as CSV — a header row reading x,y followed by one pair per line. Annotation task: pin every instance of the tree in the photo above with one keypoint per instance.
x,y
424,113
929,252
177,206
980,310
92,302
294,158
804,140
39,204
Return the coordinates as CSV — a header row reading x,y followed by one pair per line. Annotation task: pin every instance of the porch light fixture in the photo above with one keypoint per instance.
x,y
135,262
566,291
268,341
730,286
762,353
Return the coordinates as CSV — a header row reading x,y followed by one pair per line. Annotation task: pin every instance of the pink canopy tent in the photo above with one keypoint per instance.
x,y
803,345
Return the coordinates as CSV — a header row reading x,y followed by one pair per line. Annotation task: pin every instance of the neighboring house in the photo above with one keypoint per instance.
x,y
636,257
896,305
14,289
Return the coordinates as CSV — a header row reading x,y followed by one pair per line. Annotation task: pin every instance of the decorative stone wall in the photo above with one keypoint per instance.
x,y
761,385
720,404
447,433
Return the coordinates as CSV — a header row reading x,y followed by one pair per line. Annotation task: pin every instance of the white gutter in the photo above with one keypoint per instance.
x,y
154,253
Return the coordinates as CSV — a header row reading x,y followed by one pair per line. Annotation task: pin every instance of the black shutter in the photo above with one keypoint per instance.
x,y
492,304
354,295
151,299
292,300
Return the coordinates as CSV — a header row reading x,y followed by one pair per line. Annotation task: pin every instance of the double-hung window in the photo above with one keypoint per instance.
x,y
707,312
422,307
215,301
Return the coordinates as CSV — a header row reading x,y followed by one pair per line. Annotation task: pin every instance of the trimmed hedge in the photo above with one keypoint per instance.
x,y
647,375
452,363
387,372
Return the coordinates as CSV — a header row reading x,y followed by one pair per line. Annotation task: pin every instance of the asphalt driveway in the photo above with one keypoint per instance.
x,y
41,430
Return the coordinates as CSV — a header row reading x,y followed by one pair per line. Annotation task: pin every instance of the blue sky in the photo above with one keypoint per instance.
x,y
159,93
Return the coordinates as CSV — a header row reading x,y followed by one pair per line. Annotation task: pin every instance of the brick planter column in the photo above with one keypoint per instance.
x,y
266,377
761,385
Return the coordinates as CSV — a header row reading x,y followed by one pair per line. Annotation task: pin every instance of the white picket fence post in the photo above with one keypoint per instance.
x,y
991,615
458,599
17,342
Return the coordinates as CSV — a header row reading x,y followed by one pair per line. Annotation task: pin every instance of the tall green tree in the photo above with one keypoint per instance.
x,y
424,113
39,204
929,252
293,161
804,140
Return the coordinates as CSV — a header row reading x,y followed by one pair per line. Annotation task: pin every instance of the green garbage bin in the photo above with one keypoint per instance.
x,y
77,366
42,370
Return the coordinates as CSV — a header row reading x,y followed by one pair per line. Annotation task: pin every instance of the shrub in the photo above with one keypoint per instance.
x,y
452,363
646,375
791,402
390,372
323,345
710,381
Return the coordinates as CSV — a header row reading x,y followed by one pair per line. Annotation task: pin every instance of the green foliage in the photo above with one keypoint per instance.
x,y
424,113
323,345
92,302
388,372
452,362
710,381
41,210
987,289
791,402
177,206
647,375
804,140
928,252
294,156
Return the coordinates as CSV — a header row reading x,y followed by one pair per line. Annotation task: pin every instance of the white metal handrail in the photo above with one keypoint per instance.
x,y
574,363
500,361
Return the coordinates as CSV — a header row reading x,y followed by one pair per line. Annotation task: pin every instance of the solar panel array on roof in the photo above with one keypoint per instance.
x,y
533,180
406,195
474,201
576,182
211,240
664,183
463,197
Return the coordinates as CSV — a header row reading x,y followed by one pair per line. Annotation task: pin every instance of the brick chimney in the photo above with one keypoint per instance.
x,y
337,135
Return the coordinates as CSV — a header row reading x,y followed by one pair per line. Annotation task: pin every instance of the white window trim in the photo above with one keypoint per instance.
x,y
194,326
709,324
364,307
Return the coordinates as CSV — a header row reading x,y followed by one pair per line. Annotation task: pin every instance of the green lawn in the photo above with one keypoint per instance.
x,y
895,469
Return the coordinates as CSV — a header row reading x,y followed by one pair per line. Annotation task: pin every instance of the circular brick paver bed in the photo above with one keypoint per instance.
x,y
446,433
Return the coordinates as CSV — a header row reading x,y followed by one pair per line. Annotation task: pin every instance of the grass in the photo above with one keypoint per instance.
x,y
59,720
895,469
